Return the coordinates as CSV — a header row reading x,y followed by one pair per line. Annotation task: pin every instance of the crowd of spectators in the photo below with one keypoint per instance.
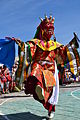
x,y
7,78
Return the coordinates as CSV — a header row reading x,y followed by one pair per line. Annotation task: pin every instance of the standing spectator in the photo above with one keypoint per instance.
x,y
5,78
1,79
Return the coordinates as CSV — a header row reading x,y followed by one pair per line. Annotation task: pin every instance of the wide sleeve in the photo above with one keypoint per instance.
x,y
60,55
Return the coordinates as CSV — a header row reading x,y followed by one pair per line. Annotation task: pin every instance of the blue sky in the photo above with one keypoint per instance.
x,y
20,18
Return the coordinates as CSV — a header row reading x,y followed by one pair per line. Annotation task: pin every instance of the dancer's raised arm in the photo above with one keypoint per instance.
x,y
18,41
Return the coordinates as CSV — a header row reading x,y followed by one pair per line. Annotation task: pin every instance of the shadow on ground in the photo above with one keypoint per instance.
x,y
14,96
25,116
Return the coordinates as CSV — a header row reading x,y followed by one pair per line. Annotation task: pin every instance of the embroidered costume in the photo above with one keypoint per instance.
x,y
38,61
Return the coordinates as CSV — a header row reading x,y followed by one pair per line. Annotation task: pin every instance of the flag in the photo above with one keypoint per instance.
x,y
72,55
7,52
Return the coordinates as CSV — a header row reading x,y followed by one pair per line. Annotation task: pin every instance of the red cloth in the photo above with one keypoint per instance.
x,y
42,60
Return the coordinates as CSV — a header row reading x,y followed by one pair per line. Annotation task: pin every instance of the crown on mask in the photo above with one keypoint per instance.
x,y
46,27
48,20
